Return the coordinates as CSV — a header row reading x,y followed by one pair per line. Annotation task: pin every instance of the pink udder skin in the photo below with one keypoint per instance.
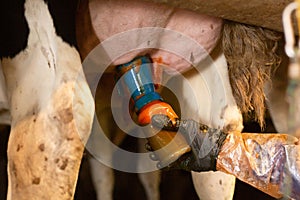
x,y
116,16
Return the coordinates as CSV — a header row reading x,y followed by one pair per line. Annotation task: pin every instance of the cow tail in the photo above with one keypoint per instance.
x,y
251,54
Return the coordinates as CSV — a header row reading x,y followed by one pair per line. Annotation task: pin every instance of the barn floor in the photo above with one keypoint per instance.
x,y
175,185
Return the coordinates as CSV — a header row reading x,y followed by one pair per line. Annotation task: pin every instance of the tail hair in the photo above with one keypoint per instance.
x,y
251,54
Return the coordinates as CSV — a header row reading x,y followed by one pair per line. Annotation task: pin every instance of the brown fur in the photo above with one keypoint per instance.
x,y
251,54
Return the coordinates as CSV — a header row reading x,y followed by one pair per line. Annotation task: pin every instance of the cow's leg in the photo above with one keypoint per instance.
x,y
103,179
150,180
201,101
4,107
52,112
51,120
214,185
218,185
102,175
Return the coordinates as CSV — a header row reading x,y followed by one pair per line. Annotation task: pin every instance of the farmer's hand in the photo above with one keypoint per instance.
x,y
205,143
